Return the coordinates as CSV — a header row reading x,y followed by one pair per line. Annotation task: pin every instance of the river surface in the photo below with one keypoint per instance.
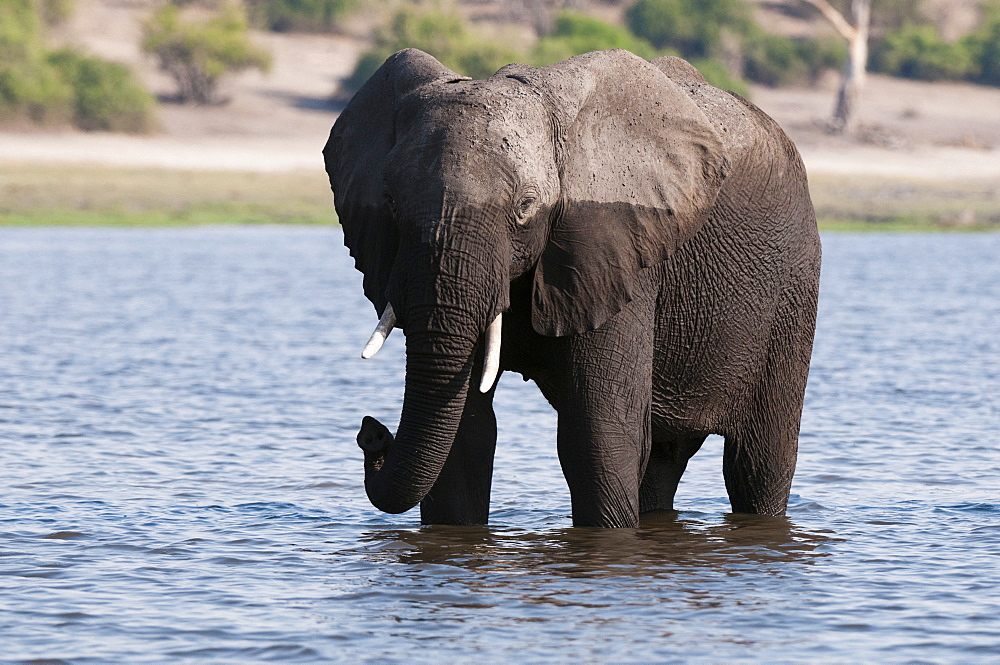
x,y
179,480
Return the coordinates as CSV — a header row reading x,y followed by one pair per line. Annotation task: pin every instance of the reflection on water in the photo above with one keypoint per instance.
x,y
179,480
666,544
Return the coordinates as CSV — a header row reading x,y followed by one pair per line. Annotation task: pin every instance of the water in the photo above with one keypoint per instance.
x,y
179,480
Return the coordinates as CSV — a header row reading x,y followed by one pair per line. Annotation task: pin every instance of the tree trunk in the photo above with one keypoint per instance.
x,y
856,67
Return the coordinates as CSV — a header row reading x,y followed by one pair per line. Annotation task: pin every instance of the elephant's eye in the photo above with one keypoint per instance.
x,y
524,206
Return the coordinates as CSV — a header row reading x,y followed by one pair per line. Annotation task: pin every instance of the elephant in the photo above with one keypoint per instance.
x,y
640,244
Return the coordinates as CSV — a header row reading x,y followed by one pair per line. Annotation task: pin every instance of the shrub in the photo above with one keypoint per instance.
x,y
984,47
772,60
444,36
822,53
918,52
716,73
106,95
775,60
62,86
302,15
369,61
198,54
692,27
33,91
725,30
447,38
577,33
29,87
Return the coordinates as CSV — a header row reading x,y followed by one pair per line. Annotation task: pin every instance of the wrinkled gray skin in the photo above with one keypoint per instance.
x,y
651,243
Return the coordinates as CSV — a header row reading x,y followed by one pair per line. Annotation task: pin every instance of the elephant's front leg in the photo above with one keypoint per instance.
x,y
461,494
604,418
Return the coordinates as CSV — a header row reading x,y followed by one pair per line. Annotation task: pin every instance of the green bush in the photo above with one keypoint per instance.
x,y
33,91
577,33
919,52
369,61
59,87
106,95
725,30
444,36
822,53
984,47
29,87
197,54
775,60
716,73
300,15
695,28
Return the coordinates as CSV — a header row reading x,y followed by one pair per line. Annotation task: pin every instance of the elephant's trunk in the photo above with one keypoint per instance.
x,y
400,471
444,317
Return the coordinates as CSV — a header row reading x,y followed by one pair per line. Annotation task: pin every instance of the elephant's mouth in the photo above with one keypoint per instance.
x,y
400,470
491,359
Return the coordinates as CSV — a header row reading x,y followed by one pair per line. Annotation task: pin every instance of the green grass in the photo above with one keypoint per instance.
x,y
901,225
194,216
88,195
74,195
868,203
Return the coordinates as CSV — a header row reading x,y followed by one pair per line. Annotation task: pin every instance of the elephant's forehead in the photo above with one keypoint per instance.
x,y
478,110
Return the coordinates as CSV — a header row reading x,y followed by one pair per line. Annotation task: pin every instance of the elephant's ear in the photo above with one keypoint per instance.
x,y
355,157
640,167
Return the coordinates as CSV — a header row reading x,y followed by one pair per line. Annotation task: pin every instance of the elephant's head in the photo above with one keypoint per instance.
x,y
584,172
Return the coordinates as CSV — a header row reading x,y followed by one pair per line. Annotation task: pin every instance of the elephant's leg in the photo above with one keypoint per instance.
x,y
604,418
461,494
760,453
667,460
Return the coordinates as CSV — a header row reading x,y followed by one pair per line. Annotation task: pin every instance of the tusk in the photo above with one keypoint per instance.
x,y
491,363
382,330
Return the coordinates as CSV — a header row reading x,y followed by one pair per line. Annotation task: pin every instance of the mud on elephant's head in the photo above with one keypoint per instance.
x,y
447,189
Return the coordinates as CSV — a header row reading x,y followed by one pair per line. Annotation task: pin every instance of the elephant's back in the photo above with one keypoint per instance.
x,y
743,128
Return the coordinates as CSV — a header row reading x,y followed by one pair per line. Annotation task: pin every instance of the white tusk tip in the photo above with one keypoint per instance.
x,y
373,345
382,330
491,359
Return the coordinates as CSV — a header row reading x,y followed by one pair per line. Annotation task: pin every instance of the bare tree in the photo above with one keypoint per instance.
x,y
855,32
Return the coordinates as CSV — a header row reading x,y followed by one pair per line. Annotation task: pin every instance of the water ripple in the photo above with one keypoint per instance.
x,y
179,479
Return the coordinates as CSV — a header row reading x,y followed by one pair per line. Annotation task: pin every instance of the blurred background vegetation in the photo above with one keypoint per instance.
x,y
720,37
299,15
193,46
197,53
916,49
199,42
42,85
